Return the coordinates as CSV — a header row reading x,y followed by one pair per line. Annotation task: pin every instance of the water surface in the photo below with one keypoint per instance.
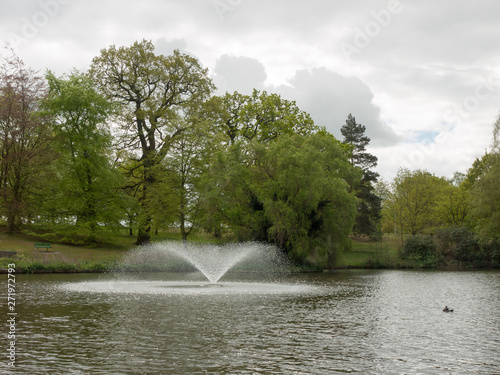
x,y
367,322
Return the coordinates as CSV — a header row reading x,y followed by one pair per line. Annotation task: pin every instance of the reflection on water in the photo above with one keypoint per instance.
x,y
378,322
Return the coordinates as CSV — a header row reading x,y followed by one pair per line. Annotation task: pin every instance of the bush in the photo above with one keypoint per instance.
x,y
421,251
493,250
463,245
419,246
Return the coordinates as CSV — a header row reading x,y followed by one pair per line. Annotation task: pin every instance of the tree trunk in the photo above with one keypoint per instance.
x,y
11,223
143,236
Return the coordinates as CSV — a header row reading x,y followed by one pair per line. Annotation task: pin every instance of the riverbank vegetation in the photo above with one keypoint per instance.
x,y
139,149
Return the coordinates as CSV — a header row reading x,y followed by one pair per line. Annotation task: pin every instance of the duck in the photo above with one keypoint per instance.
x,y
446,309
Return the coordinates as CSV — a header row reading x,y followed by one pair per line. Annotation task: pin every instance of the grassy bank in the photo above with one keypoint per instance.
x,y
105,256
367,254
61,257
109,254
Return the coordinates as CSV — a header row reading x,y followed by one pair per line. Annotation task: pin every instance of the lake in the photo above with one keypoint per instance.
x,y
356,321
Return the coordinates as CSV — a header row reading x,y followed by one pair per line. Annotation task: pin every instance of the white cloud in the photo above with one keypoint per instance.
x,y
242,74
330,97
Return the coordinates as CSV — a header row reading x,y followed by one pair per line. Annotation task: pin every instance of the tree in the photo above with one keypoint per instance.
x,y
413,201
184,165
87,185
478,168
370,205
484,198
452,207
24,143
241,120
291,192
155,93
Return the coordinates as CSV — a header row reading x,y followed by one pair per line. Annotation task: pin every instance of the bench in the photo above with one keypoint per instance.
x,y
8,253
42,245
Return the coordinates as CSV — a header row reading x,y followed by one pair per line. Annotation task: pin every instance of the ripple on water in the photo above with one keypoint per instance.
x,y
184,287
378,322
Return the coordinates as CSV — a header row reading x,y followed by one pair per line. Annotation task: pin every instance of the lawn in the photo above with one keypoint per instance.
x,y
365,253
71,258
109,253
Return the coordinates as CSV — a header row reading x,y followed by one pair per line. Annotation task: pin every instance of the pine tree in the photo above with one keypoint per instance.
x,y
369,207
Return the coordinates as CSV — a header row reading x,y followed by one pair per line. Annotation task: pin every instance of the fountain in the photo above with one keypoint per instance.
x,y
214,261
186,262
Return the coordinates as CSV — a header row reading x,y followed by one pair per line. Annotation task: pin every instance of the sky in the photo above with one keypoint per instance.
x,y
423,76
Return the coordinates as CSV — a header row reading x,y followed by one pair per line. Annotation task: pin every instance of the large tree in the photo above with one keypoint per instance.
x,y
87,184
241,120
369,205
24,143
485,200
414,201
291,192
155,93
484,183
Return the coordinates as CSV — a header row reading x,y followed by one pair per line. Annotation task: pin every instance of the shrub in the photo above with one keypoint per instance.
x,y
463,245
419,245
421,251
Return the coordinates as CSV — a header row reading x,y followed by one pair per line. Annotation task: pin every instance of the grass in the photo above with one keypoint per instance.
x,y
77,258
108,254
62,257
367,254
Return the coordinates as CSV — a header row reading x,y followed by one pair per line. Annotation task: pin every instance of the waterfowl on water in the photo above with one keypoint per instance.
x,y
446,309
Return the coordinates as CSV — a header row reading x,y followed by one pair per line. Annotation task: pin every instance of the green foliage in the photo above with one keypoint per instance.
x,y
369,205
413,202
184,165
140,139
156,96
484,199
261,117
84,188
354,135
291,192
462,245
24,142
452,207
421,251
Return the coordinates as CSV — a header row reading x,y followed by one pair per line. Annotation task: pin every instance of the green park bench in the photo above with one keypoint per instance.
x,y
42,245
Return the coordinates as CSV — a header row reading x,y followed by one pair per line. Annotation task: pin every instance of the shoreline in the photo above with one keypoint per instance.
x,y
20,270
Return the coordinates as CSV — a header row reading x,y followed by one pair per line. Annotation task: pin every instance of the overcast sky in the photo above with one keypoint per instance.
x,y
423,76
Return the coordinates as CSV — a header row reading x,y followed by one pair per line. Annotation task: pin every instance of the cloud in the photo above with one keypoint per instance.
x,y
330,97
166,47
241,74
327,96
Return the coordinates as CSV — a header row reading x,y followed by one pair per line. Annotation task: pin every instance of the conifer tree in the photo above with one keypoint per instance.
x,y
369,206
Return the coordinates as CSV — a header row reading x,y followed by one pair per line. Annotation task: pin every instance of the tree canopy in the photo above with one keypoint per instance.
x,y
291,192
369,204
86,184
25,140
